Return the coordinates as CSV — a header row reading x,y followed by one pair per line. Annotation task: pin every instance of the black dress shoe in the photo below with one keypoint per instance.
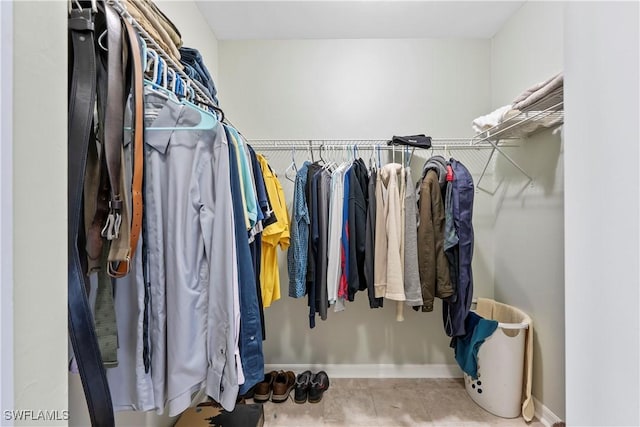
x,y
303,382
319,384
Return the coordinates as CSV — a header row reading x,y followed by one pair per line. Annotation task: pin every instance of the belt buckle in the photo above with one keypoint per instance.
x,y
113,272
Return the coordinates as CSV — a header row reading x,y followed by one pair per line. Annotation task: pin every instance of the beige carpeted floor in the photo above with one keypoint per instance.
x,y
388,403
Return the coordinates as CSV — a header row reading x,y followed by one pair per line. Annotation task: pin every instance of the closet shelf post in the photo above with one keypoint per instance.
x,y
506,156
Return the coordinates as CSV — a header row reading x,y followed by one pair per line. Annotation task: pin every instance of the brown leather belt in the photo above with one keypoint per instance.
x,y
123,267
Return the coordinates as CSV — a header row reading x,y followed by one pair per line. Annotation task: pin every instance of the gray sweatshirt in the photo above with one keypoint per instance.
x,y
412,287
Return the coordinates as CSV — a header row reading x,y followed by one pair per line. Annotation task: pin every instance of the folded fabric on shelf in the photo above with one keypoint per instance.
x,y
156,24
195,68
486,122
538,92
171,30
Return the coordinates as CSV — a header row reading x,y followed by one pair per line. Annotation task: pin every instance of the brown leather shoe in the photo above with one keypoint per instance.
x,y
264,388
282,386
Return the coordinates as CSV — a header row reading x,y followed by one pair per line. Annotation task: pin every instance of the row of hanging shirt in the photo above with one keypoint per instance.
x,y
188,315
356,228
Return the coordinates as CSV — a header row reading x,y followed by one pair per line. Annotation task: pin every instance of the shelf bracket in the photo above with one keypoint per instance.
x,y
506,156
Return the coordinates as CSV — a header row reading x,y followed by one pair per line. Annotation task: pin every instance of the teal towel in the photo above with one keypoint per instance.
x,y
467,346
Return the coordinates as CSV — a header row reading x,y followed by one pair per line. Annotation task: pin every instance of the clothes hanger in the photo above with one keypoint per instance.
x,y
310,151
372,163
143,51
159,83
292,166
193,102
76,4
331,166
101,41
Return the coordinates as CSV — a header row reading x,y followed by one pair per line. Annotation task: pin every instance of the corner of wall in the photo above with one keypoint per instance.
x,y
39,207
529,230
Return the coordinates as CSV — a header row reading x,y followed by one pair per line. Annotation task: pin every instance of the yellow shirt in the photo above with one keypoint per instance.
x,y
273,235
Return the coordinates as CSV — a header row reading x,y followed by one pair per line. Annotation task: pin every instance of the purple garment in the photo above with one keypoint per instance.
x,y
344,241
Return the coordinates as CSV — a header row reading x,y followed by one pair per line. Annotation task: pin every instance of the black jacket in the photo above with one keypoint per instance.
x,y
358,198
370,238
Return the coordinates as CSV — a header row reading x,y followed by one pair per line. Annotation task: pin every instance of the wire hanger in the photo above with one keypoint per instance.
x,y
77,5
372,162
292,166
310,148
328,165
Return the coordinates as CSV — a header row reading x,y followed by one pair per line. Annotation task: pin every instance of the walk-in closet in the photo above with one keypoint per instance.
x,y
228,242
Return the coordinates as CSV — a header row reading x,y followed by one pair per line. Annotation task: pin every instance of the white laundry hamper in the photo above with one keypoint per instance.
x,y
501,360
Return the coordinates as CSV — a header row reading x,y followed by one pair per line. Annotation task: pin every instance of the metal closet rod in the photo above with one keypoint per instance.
x,y
309,145
438,143
301,147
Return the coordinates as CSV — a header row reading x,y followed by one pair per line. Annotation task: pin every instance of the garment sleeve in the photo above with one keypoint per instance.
x,y
443,287
426,243
216,217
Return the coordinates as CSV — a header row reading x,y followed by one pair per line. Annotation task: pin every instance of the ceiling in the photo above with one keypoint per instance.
x,y
273,20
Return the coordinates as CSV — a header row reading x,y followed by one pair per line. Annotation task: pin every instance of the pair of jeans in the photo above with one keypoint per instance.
x,y
195,68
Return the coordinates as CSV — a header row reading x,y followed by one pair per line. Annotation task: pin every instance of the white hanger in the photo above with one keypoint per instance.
x,y
292,166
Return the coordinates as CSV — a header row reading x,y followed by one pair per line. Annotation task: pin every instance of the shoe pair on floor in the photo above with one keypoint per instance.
x,y
310,386
276,386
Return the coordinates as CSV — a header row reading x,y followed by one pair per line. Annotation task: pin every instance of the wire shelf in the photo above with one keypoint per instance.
x,y
122,10
548,112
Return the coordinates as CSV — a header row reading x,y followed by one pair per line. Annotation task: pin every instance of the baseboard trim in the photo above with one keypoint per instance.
x,y
374,370
544,414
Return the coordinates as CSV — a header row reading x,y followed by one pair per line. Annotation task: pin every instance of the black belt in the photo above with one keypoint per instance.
x,y
81,328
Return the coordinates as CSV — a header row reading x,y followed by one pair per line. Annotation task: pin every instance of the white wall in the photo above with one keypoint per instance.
x,y
354,88
6,208
39,206
196,34
358,89
526,50
601,213
529,228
